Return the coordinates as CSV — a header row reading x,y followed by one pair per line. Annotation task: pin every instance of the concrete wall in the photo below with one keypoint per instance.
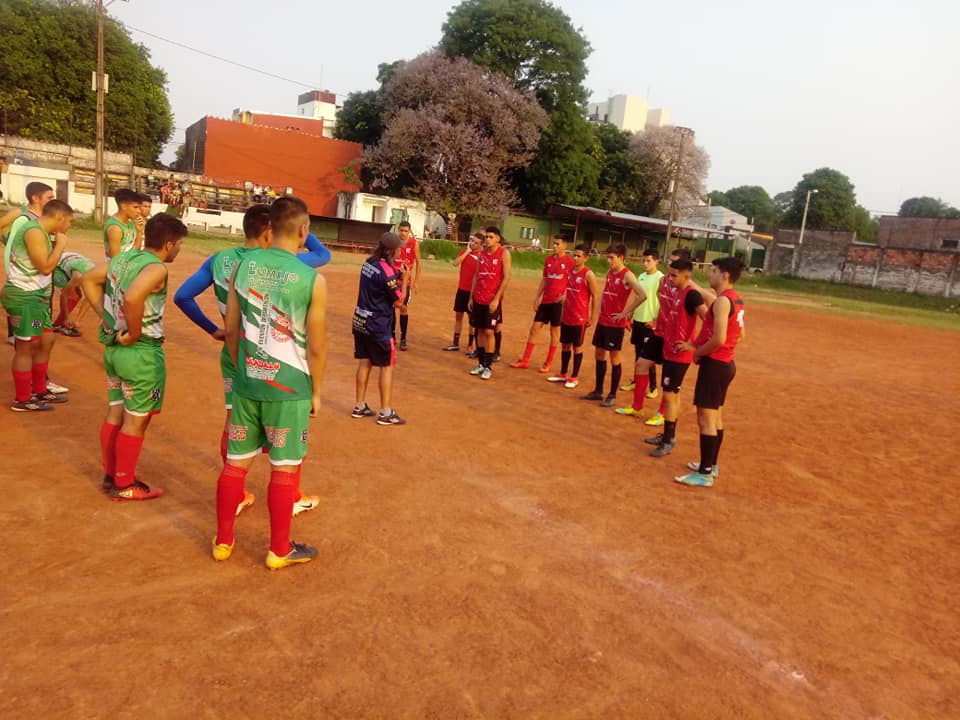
x,y
821,256
927,272
918,233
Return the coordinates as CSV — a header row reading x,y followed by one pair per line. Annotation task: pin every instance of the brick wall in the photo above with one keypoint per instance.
x,y
917,233
926,272
820,257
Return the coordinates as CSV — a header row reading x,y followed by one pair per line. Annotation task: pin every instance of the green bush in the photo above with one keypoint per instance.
x,y
440,249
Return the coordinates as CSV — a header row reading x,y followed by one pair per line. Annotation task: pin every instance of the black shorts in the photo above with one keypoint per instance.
x,y
482,319
712,383
379,352
639,333
608,338
461,303
549,313
673,374
573,334
652,348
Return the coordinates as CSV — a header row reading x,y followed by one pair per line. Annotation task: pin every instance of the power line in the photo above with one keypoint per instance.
x,y
311,86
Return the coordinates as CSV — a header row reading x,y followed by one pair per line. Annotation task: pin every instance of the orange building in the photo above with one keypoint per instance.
x,y
233,153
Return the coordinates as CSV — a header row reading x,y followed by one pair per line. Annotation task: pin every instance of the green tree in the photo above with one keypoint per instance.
x,y
927,207
753,202
360,119
535,44
718,198
781,203
620,180
865,225
47,52
831,208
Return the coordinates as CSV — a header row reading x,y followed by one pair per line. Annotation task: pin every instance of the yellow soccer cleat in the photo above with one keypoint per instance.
x,y
221,551
298,554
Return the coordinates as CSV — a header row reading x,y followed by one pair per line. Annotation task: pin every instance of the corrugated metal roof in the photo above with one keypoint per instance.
x,y
640,219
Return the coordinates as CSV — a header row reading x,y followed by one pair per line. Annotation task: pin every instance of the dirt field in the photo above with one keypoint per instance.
x,y
510,553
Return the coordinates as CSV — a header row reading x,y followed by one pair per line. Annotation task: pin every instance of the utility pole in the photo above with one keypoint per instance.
x,y
684,133
803,227
99,204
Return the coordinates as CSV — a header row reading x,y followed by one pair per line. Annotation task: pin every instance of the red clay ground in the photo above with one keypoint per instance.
x,y
512,552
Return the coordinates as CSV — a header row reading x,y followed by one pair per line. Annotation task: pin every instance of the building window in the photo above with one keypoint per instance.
x,y
526,233
950,244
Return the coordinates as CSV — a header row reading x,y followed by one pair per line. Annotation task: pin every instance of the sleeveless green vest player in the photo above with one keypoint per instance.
x,y
128,240
26,215
275,290
70,262
222,268
121,273
22,273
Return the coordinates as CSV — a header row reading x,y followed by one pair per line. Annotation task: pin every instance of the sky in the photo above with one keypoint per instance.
x,y
773,88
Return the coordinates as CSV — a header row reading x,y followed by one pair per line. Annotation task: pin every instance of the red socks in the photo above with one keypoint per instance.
x,y
108,447
22,382
128,449
528,352
282,492
639,390
229,495
551,354
39,378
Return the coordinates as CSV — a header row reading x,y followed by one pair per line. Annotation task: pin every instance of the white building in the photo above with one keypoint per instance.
x,y
382,209
319,105
629,113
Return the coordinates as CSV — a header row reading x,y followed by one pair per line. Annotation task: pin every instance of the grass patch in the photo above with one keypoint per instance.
x,y
440,249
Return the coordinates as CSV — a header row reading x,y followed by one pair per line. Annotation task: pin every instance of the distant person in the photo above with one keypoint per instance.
x,y
408,265
120,229
580,308
492,278
644,383
467,262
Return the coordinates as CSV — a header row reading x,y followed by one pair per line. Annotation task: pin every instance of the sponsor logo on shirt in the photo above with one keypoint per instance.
x,y
261,369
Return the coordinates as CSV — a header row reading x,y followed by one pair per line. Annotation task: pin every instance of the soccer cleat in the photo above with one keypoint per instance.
x,y
403,344
487,373
137,490
305,504
520,364
571,383
451,348
655,420
662,450
247,501
695,466
52,398
362,411
630,410
477,370
557,378
651,394
68,331
221,551
609,401
34,404
629,387
655,440
496,358
106,485
694,479
54,388
391,419
298,554
595,395
472,354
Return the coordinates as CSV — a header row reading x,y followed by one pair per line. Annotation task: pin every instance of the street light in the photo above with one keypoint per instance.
x,y
684,133
803,227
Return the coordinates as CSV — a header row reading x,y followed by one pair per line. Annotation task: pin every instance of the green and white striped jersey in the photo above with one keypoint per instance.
x,y
121,273
128,240
274,289
23,274
222,267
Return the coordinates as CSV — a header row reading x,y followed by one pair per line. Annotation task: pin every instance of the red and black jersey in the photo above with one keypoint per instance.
x,y
680,321
489,275
576,306
555,271
468,268
406,256
615,297
725,352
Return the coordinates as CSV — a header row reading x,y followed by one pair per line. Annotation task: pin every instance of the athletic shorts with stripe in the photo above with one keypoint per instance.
x,y
549,313
281,426
136,377
29,312
573,334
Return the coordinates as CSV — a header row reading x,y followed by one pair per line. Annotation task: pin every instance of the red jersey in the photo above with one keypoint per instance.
x,y
555,271
665,293
614,302
724,353
489,275
680,322
406,255
576,306
468,268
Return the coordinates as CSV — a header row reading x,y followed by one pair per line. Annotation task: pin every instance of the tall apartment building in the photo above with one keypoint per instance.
x,y
629,113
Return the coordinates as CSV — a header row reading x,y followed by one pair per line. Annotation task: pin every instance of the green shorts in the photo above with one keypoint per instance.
x,y
136,377
227,371
29,311
280,426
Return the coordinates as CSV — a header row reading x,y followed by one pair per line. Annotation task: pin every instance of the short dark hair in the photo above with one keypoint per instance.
x,y
145,198
56,207
651,252
126,195
403,223
287,214
619,249
681,253
495,230
730,265
35,189
161,229
682,264
583,247
560,237
479,235
255,220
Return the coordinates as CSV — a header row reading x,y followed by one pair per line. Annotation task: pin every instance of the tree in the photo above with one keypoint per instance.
x,y
534,44
831,208
782,202
753,202
360,119
718,199
927,207
455,149
178,165
620,179
864,224
657,152
47,51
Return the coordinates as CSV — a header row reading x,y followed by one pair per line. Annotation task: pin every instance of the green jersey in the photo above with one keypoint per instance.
x,y
121,273
647,310
222,268
26,215
22,273
127,241
274,289
70,262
